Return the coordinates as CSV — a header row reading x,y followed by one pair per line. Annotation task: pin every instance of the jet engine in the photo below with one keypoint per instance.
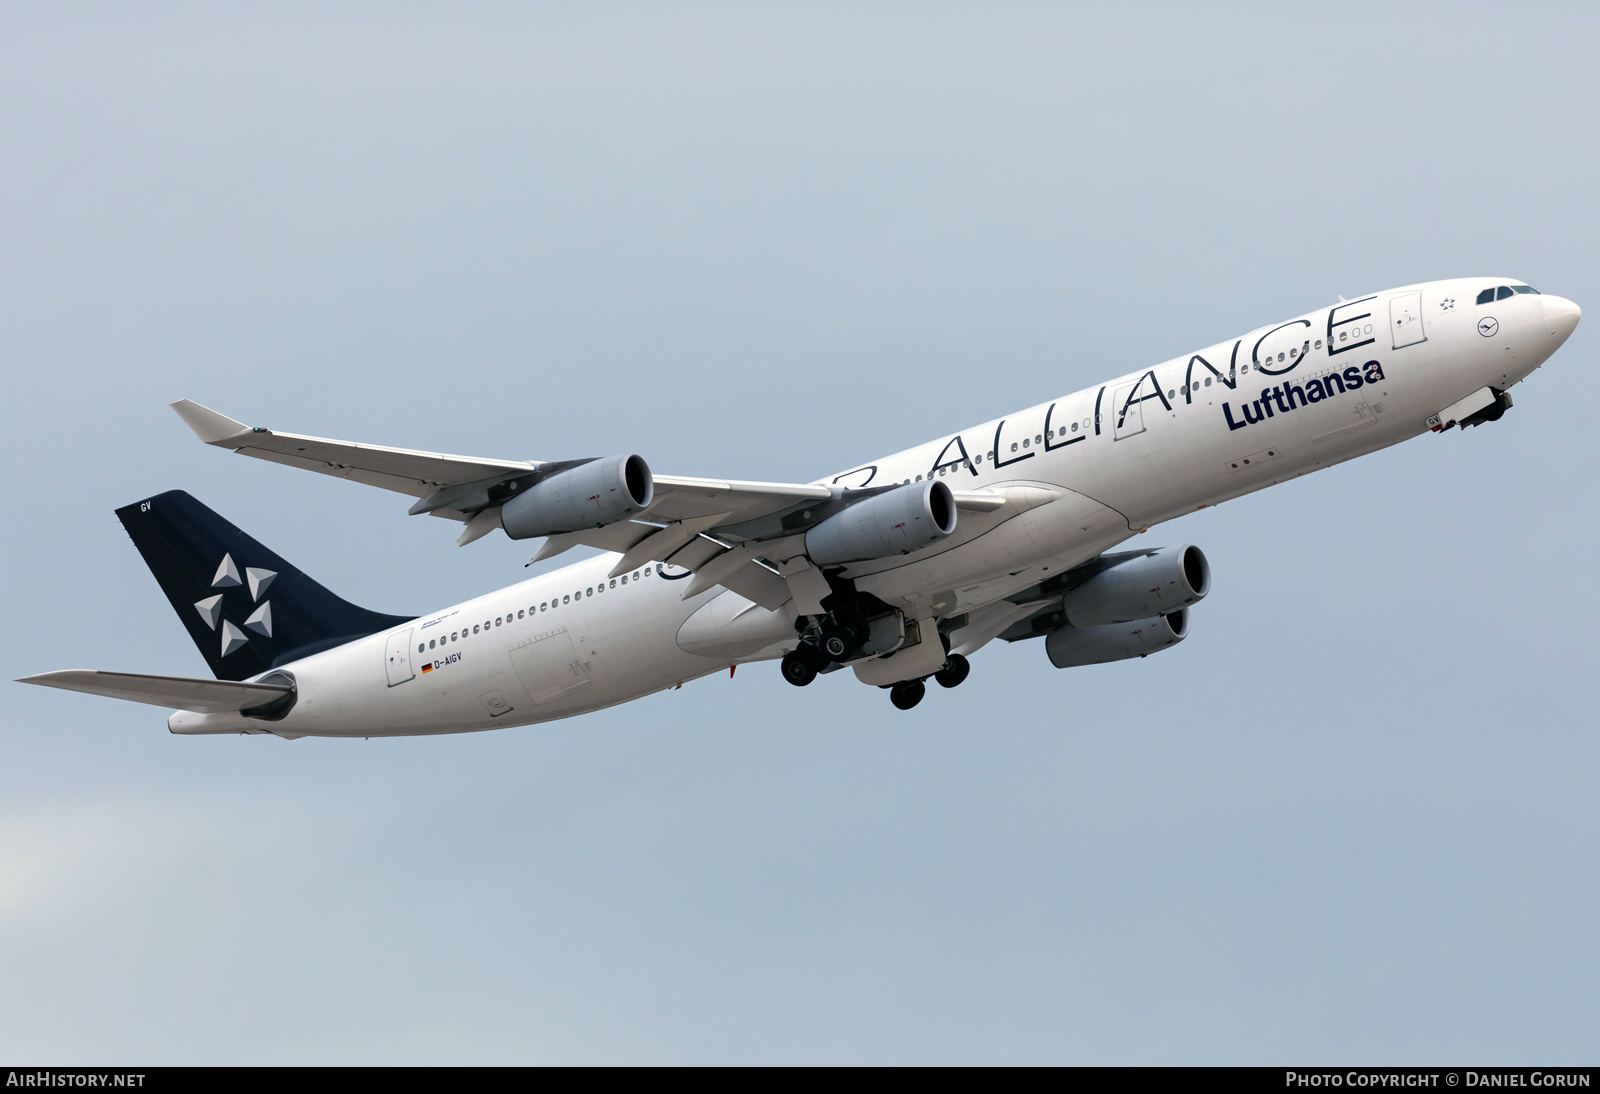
x,y
1147,584
590,495
895,522
1071,646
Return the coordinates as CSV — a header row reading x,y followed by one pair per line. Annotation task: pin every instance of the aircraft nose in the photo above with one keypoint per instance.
x,y
1560,316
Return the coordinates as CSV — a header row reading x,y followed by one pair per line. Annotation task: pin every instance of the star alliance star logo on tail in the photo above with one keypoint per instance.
x,y
259,620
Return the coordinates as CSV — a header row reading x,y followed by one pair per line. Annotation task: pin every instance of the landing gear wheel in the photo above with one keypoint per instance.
x,y
798,669
859,628
955,670
907,695
836,643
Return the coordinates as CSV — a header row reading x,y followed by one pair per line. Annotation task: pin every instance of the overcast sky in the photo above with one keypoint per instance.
x,y
1352,818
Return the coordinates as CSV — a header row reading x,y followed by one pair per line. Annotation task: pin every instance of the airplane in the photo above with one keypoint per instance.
x,y
899,570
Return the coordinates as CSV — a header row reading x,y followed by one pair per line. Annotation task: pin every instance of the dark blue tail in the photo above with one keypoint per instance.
x,y
247,609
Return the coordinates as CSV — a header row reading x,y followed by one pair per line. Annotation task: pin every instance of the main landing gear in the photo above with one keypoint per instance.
x,y
838,640
955,670
908,693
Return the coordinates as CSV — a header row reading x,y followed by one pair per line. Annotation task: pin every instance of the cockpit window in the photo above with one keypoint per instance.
x,y
1526,289
1504,293
1486,296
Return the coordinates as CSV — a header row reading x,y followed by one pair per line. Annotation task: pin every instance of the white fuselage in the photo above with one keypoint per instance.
x,y
1080,474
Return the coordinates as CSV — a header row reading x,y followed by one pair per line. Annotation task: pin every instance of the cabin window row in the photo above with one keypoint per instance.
x,y
490,624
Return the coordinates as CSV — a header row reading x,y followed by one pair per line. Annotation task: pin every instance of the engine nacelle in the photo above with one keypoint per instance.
x,y
1147,585
1071,646
590,495
895,522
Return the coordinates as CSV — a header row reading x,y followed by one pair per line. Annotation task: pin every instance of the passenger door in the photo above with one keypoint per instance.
x,y
397,658
548,665
1405,319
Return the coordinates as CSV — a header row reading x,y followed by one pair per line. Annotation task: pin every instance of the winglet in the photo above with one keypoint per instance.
x,y
208,425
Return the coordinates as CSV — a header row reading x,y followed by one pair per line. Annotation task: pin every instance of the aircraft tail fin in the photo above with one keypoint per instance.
x,y
245,607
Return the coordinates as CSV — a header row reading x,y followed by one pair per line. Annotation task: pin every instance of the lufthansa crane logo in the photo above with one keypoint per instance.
x,y
1488,326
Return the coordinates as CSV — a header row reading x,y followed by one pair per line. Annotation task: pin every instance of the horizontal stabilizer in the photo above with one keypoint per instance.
x,y
180,692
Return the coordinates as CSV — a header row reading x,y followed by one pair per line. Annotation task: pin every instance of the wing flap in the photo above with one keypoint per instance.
x,y
180,692
680,498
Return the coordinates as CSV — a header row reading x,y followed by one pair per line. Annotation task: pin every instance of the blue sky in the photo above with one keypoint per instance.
x,y
1351,818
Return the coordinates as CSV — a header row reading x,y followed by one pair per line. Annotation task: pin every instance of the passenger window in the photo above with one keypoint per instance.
x,y
430,643
1013,446
1319,343
636,575
421,647
1505,291
1074,427
1172,394
1038,440
474,628
566,600
591,591
1208,381
1485,296
519,613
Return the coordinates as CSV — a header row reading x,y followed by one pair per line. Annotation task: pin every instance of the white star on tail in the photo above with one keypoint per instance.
x,y
210,609
260,620
259,580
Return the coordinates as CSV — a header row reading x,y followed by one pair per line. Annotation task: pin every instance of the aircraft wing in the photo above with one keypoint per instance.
x,y
710,526
402,470
425,474
181,692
